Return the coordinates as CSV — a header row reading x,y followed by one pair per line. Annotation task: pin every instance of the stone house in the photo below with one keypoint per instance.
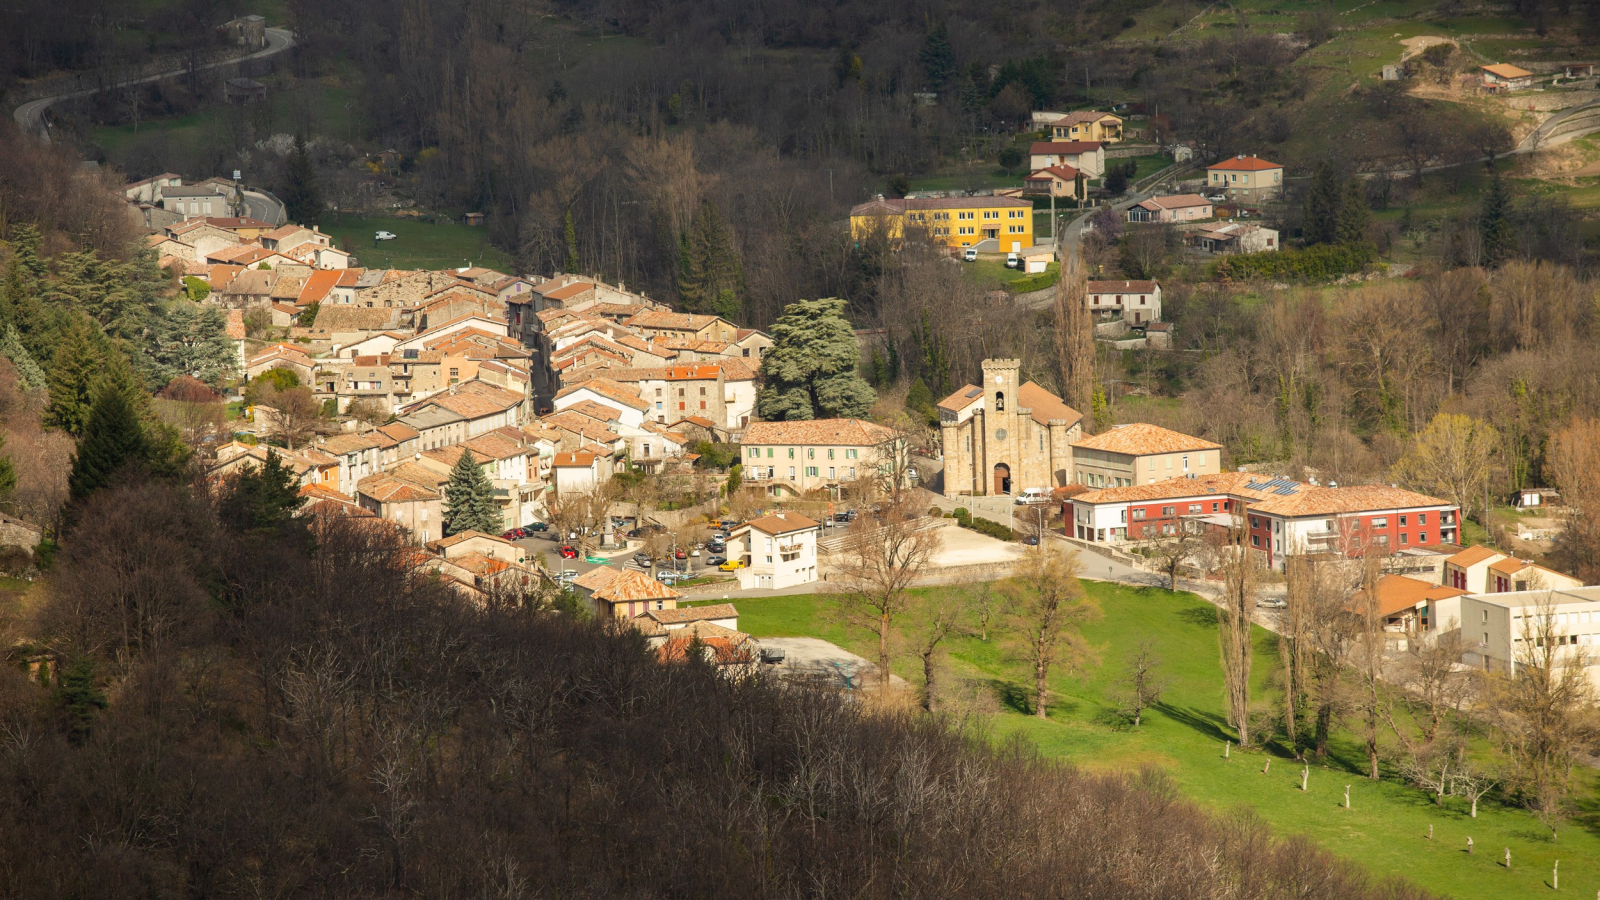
x,y
1004,436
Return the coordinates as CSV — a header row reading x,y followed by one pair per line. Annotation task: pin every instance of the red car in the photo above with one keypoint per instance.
x,y
568,553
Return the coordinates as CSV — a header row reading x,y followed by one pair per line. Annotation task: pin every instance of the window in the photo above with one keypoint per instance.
x,y
1255,540
791,453
811,453
1422,538
850,454
1380,522
1169,510
1138,514
999,402
791,473
769,453
680,392
1402,521
811,471
830,473
1186,463
1486,617
702,404
1195,507
1422,518
1252,521
1215,505
702,392
852,473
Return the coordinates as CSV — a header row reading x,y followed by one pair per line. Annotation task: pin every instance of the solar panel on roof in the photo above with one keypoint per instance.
x,y
973,392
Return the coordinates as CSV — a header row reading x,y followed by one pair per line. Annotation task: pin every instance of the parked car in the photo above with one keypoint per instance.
x,y
567,552
1031,540
537,526
566,576
643,559
1013,261
512,534
1033,495
1272,603
667,576
732,565
385,236
1216,198
715,561
969,255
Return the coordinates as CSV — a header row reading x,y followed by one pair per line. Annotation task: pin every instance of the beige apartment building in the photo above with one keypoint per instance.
x,y
1246,179
1141,453
795,458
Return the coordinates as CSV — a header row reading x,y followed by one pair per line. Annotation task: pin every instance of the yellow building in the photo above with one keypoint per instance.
x,y
1088,125
955,221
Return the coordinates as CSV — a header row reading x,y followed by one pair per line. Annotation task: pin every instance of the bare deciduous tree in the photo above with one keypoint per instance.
x,y
1241,577
941,615
1175,547
1142,683
1046,603
881,560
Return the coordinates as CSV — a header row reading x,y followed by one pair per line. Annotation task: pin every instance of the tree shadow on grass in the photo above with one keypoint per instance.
x,y
1011,695
1208,724
1204,616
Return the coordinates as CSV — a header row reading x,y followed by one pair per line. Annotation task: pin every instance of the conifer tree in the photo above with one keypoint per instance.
x,y
810,371
937,58
1498,238
302,198
1323,199
8,473
261,499
113,438
569,234
1355,217
192,340
72,376
711,278
469,499
28,371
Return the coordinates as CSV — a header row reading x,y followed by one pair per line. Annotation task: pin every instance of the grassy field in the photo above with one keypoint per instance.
x,y
993,272
1387,825
419,245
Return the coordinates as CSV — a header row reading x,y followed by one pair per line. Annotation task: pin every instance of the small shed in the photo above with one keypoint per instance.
x,y
1579,70
1391,72
1037,259
473,219
243,90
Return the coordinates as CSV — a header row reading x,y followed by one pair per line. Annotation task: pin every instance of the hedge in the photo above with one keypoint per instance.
x,y
1038,282
1322,262
992,529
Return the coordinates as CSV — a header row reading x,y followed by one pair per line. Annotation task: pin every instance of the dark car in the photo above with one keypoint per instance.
x,y
537,526
567,552
642,559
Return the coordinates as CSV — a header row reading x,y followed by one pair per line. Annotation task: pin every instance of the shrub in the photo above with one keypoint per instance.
x,y
935,512
1323,262
961,513
992,529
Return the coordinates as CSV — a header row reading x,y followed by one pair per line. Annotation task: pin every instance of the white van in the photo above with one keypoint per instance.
x,y
1034,495
1013,261
969,255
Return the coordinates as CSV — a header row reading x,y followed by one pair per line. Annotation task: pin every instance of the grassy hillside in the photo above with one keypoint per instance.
x,y
418,245
1387,826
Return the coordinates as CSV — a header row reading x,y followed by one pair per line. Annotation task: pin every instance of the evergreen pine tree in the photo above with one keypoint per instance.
x,y
569,233
712,277
1323,199
938,60
469,499
28,371
113,438
8,473
1355,217
71,377
263,499
302,198
192,340
1499,239
810,370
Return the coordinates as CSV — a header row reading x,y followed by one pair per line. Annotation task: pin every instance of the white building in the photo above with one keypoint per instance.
x,y
778,551
1495,628
1137,302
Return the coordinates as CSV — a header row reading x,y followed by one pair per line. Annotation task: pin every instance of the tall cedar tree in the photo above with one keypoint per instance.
x,y
712,277
938,60
192,340
1498,238
810,371
302,198
469,499
72,376
122,296
1355,217
1323,200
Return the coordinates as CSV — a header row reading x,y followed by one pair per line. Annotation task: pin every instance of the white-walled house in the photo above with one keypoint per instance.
x,y
1137,302
778,550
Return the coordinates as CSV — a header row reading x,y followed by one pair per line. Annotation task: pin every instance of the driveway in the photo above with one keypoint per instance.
x,y
30,115
816,658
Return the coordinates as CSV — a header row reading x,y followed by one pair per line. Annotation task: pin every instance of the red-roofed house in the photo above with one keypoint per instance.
x,y
1056,181
1088,157
778,550
1246,179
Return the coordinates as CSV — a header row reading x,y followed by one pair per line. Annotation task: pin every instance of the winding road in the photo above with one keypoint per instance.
x,y
30,115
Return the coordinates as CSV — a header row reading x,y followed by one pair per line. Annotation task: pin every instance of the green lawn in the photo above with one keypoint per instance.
x,y
418,245
1386,827
993,272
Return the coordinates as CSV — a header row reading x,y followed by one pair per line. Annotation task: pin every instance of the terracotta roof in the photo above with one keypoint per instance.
x,y
1472,556
1044,407
724,646
341,444
1141,438
480,565
1228,483
386,488
1063,172
623,585
455,539
572,460
1322,501
567,292
1508,566
418,474
964,397
1397,593
670,321
594,410
1038,148
611,390
318,492
317,286
1085,115
1506,70
1245,164
1122,287
818,432
580,425
235,324
781,523
685,615
1176,201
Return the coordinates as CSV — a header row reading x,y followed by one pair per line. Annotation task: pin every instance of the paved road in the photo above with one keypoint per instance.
x,y
30,115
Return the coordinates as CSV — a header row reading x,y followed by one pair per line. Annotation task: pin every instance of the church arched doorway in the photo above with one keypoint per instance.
x,y
1002,479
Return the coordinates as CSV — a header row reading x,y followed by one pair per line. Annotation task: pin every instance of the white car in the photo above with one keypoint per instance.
x,y
385,236
1013,261
1033,495
1272,603
970,255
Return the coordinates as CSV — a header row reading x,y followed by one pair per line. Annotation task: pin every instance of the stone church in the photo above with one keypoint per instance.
x,y
1006,436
